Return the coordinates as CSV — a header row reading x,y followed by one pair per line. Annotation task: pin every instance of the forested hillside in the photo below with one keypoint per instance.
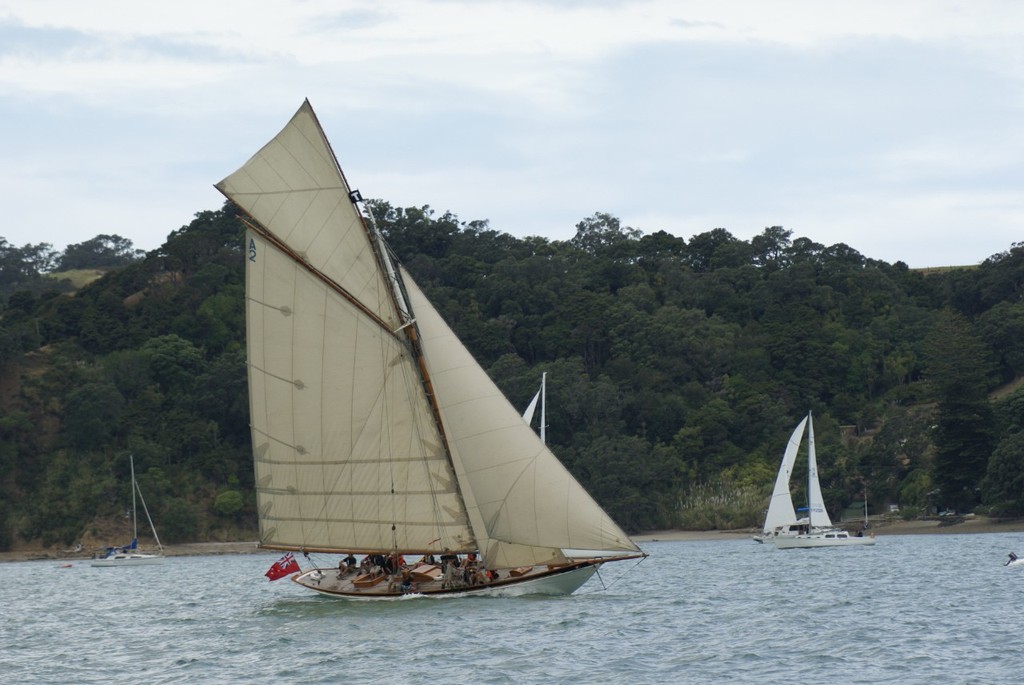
x,y
676,370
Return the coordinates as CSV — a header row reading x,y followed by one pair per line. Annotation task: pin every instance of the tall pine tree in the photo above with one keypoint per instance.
x,y
960,369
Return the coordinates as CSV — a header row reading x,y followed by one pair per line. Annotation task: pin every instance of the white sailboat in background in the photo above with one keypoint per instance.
x,y
374,430
539,398
129,555
819,530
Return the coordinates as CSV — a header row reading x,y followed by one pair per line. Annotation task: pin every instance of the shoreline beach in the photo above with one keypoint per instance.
x,y
189,549
933,526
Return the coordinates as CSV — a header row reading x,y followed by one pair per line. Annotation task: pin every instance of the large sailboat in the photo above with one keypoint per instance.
x,y
130,554
374,430
817,529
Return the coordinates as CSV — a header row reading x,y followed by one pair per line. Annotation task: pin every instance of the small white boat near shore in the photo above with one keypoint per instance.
x,y
129,555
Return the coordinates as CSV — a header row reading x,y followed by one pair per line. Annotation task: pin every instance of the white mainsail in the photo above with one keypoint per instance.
x,y
817,515
780,509
347,451
350,452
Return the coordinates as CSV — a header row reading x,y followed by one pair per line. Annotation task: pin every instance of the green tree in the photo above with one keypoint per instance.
x,y
715,249
769,250
92,415
179,520
619,474
959,369
173,361
1002,328
1003,485
22,268
603,234
414,230
103,251
228,503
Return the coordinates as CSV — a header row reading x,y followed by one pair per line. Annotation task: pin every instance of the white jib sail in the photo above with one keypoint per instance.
x,y
524,505
816,512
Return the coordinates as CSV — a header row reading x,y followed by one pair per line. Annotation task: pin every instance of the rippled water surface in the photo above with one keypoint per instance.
x,y
912,609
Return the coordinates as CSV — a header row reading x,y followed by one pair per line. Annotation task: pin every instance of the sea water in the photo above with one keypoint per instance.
x,y
911,609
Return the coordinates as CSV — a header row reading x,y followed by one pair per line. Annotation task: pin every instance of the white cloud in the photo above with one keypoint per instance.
x,y
828,117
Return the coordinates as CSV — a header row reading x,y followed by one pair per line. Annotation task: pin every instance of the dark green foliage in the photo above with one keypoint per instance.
x,y
6,529
1003,486
959,366
676,370
148,361
619,472
92,415
22,268
896,464
1002,329
179,520
103,251
72,491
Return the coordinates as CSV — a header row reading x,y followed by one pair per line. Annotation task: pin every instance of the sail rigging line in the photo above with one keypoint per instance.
x,y
543,407
640,559
391,266
148,517
135,517
135,527
380,253
315,564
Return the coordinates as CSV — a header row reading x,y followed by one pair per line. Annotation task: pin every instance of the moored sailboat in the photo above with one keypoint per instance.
x,y
819,531
130,555
374,430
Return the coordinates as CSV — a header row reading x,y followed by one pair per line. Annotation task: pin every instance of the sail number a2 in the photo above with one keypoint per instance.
x,y
252,250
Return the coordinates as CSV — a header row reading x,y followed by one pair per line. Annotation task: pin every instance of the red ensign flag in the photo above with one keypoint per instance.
x,y
284,566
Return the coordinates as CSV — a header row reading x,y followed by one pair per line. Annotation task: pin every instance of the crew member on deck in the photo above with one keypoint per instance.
x,y
346,565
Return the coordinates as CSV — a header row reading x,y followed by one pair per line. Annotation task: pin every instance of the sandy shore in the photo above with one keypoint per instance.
x,y
192,549
973,524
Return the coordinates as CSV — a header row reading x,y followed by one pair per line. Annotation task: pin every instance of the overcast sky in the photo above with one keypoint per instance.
x,y
896,127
